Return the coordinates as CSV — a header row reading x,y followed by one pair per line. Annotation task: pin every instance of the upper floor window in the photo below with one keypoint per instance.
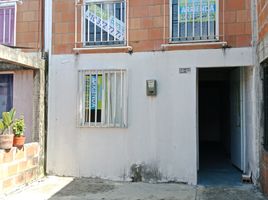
x,y
7,23
194,20
104,23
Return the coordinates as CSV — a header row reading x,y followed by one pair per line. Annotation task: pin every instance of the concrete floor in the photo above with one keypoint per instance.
x,y
59,188
216,168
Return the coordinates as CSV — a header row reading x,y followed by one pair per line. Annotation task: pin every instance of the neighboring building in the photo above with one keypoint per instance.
x,y
22,86
105,117
262,51
20,28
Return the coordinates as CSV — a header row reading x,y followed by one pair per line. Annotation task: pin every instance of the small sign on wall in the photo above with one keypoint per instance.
x,y
151,87
185,70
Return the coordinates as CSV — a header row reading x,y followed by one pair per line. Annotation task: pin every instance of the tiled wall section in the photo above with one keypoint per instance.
x,y
149,24
28,24
264,171
262,18
18,166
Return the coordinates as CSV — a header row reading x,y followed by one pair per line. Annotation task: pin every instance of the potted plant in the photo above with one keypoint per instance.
x,y
6,135
18,130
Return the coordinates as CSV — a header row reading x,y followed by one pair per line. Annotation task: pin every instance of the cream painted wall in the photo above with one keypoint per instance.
x,y
162,130
23,99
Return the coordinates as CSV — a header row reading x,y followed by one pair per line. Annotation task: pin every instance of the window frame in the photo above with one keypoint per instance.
x,y
10,73
83,34
9,4
171,40
81,123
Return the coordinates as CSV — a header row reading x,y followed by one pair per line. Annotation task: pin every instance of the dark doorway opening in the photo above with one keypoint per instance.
x,y
215,165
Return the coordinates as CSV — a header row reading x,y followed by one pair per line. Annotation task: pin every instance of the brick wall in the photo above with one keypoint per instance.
x,y
149,25
262,8
28,27
18,166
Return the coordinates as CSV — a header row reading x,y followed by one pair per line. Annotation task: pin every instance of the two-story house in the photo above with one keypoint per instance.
x,y
21,29
166,86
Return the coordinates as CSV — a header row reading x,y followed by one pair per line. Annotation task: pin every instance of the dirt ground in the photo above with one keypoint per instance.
x,y
59,188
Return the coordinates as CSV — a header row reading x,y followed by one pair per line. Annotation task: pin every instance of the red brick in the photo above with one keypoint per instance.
x,y
135,23
243,41
155,10
155,34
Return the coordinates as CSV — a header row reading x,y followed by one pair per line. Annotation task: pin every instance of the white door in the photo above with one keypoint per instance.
x,y
237,131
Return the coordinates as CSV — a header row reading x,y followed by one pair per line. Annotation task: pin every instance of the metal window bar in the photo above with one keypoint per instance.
x,y
186,18
121,100
115,29
201,18
265,83
96,99
108,33
113,98
101,22
101,18
108,102
95,24
191,6
193,21
114,106
4,27
89,102
208,19
121,16
9,27
178,18
103,98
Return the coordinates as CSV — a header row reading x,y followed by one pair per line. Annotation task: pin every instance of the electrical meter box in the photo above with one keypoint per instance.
x,y
151,87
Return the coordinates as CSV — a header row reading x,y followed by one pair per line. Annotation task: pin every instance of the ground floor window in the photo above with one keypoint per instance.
x,y
6,92
266,107
103,98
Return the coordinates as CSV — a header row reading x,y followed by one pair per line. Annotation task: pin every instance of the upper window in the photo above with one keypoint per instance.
x,y
104,23
103,98
194,20
7,24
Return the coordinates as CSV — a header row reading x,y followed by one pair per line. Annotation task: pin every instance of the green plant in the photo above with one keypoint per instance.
x,y
19,127
7,121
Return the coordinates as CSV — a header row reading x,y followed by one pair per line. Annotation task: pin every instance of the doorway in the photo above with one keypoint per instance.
x,y
220,103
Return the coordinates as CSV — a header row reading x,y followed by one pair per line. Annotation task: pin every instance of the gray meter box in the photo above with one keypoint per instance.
x,y
151,87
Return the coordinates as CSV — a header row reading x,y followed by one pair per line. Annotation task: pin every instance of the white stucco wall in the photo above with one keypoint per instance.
x,y
162,130
23,99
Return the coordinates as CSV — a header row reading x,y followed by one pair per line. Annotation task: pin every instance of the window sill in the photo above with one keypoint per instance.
x,y
193,45
104,49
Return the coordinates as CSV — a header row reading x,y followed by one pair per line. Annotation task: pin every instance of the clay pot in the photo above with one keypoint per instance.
x,y
6,141
18,141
